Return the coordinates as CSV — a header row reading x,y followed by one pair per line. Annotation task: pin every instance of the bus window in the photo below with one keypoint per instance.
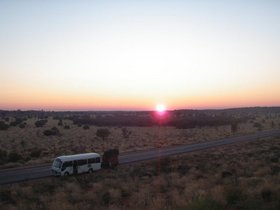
x,y
82,162
97,160
91,160
67,164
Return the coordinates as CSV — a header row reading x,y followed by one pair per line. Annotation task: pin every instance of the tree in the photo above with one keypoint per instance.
x,y
234,127
3,126
103,133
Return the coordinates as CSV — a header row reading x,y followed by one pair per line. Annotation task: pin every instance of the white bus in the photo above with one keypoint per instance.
x,y
76,164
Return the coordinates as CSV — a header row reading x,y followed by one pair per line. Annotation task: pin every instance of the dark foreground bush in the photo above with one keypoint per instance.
x,y
35,152
6,196
234,195
204,203
3,126
66,127
40,123
106,198
14,157
17,121
52,132
3,156
85,127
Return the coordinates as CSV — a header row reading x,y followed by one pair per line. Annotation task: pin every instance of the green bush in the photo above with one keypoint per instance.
x,y
6,196
22,125
204,204
35,152
106,198
66,127
258,126
51,132
85,127
60,123
3,156
266,194
234,195
275,170
40,123
14,157
3,126
16,122
234,127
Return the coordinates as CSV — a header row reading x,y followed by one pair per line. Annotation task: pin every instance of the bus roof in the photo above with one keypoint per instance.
x,y
78,156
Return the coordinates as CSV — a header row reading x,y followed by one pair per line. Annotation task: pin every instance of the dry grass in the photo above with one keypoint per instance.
x,y
241,176
78,140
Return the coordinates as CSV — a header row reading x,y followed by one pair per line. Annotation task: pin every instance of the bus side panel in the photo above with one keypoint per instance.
x,y
95,166
69,170
82,169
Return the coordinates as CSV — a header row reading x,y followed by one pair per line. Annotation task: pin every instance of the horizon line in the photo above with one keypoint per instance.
x,y
132,110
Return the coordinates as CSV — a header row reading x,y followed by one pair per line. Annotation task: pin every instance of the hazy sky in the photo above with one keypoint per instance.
x,y
132,55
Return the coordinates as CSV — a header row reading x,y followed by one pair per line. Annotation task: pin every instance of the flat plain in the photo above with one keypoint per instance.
x,y
239,176
27,144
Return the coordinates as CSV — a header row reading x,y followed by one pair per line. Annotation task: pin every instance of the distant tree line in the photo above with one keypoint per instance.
x,y
169,119
176,118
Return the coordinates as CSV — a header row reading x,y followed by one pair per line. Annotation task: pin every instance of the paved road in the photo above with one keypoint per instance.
x,y
34,172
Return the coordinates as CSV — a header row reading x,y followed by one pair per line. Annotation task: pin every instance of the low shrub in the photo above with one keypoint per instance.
x,y
3,126
3,156
259,126
275,170
22,125
106,198
164,165
16,122
40,123
234,195
6,196
52,132
60,123
266,194
85,127
183,169
126,133
204,203
14,157
36,152
66,127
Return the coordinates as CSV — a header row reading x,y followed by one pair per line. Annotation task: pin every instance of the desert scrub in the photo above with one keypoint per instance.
x,y
212,179
52,132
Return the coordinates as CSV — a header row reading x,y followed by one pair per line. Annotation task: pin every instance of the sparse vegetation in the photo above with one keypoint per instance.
x,y
66,127
3,126
40,123
17,121
103,133
258,126
85,127
189,181
52,132
14,157
3,156
70,138
60,123
126,133
35,152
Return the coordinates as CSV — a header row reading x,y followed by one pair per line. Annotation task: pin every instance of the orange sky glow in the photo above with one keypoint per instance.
x,y
134,55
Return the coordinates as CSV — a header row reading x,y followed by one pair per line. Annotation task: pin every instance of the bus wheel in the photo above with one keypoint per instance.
x,y
90,171
66,174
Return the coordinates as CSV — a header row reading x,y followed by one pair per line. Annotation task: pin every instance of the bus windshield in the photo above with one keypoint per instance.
x,y
57,163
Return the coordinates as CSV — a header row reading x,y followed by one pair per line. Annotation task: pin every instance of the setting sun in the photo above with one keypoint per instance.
x,y
160,108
